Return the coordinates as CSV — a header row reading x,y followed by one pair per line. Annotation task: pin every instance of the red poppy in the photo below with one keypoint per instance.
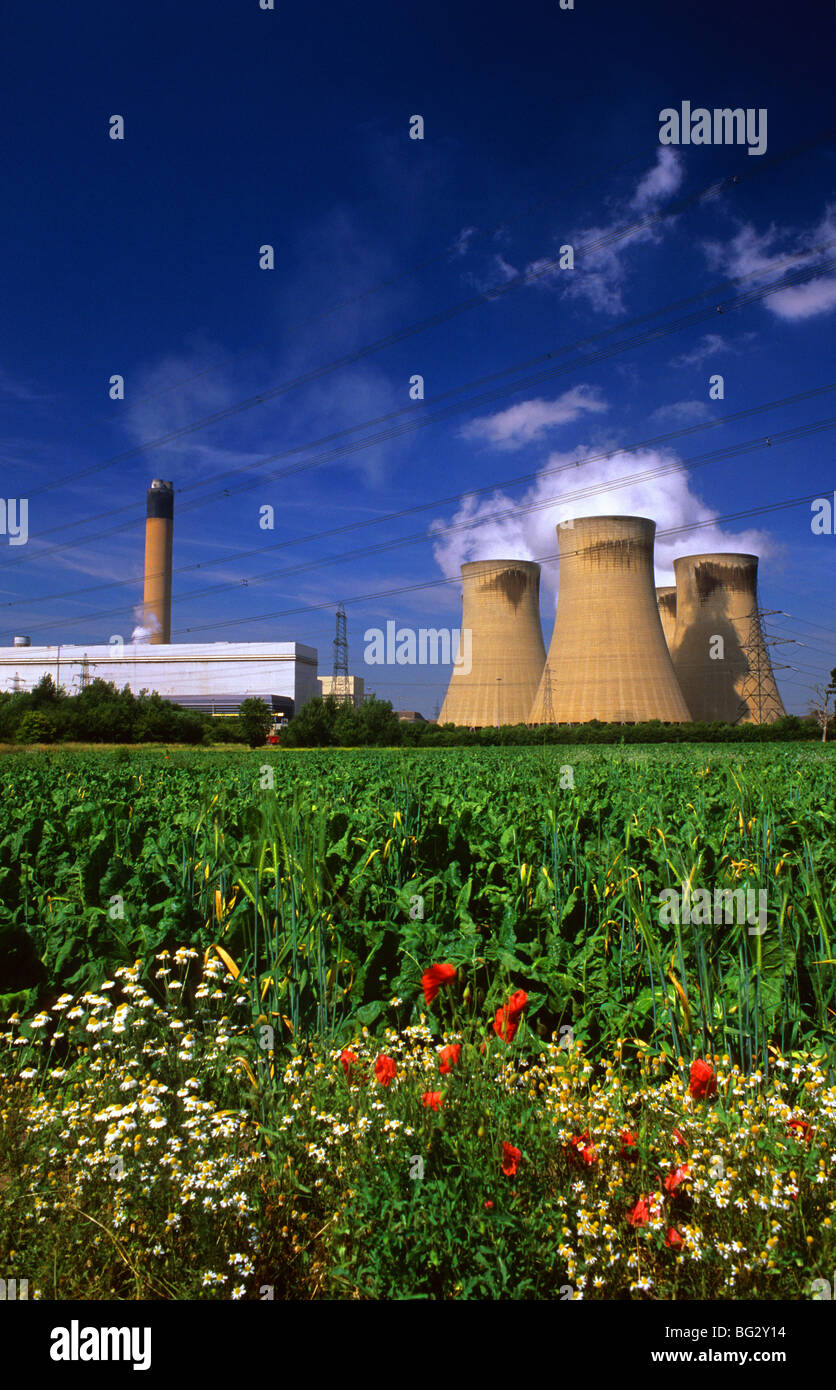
x,y
640,1214
488,1206
581,1151
434,978
628,1142
507,1019
673,1239
432,1100
644,1209
800,1128
678,1137
510,1159
679,1175
384,1069
703,1084
449,1058
348,1060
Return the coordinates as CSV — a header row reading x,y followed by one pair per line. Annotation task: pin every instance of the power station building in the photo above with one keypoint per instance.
x,y
666,603
622,651
718,649
501,650
215,677
608,658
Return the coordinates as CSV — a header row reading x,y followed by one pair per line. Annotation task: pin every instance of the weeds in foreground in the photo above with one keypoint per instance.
x,y
155,1150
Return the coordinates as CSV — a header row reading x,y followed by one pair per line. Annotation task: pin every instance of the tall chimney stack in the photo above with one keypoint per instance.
x,y
159,528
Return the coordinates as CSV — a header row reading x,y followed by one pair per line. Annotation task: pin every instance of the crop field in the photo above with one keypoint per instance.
x,y
456,1023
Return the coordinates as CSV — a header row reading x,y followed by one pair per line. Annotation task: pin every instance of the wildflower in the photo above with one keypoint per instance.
x,y
679,1175
432,1100
628,1142
510,1159
348,1060
703,1083
449,1058
581,1149
645,1209
434,978
488,1206
384,1070
800,1129
507,1019
678,1137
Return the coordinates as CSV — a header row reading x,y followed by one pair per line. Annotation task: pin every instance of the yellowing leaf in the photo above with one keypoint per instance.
x,y
248,1069
227,960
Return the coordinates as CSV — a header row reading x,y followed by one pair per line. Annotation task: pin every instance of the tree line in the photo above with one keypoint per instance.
x,y
101,713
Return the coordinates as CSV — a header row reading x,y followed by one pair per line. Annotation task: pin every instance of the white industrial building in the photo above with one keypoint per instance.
x,y
349,689
214,677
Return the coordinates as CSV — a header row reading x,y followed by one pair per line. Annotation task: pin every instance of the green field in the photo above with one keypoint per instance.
x,y
219,1072
356,867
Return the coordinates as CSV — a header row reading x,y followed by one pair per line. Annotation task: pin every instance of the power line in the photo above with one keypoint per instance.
x,y
542,268
458,498
752,296
474,523
555,555
439,256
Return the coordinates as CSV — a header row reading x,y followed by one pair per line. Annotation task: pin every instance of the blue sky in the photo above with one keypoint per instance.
x,y
246,127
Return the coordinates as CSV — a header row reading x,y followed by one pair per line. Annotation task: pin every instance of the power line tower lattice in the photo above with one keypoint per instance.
x,y
760,702
548,707
340,687
84,676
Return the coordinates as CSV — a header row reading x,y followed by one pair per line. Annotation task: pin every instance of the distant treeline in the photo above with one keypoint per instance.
x,y
103,714
787,730
327,723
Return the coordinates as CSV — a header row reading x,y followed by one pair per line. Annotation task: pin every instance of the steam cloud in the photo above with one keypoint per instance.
x,y
147,625
528,531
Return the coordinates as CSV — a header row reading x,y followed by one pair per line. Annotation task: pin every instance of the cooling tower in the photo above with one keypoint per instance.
x,y
666,603
608,658
504,649
729,680
159,527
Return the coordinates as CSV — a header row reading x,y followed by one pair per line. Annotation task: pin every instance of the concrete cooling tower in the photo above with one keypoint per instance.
x,y
729,679
159,527
666,603
608,658
504,649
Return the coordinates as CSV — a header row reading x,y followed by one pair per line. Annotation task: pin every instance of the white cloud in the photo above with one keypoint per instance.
x,y
528,531
681,412
750,253
709,345
462,242
659,182
520,424
17,390
599,273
